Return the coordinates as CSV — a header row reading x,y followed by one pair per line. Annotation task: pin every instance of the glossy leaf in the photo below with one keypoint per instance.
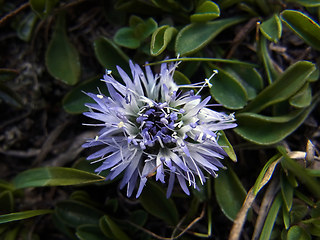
x,y
227,147
266,130
163,208
195,36
26,26
89,231
161,38
271,218
9,96
263,51
288,83
227,90
54,176
22,215
62,58
74,213
302,98
43,7
303,26
111,229
298,233
229,192
206,11
75,100
110,55
272,28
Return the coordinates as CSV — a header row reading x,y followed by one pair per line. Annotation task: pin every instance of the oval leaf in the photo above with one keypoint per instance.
x,y
163,208
272,28
26,26
205,12
54,176
230,193
160,39
125,37
303,26
62,58
110,55
22,215
195,36
284,87
227,90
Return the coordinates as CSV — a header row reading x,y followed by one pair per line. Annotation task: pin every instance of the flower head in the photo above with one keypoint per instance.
x,y
153,128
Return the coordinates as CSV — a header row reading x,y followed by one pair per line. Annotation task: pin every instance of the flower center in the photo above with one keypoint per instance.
x,y
157,125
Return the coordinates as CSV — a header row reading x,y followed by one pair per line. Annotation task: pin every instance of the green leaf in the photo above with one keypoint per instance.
x,y
263,51
74,213
302,98
307,3
161,38
89,231
266,130
265,174
272,28
303,26
62,58
301,173
288,83
9,96
248,76
205,12
125,37
162,208
230,193
54,176
195,36
110,55
227,90
287,192
226,145
298,233
43,7
22,215
111,229
180,78
271,218
26,26
145,29
74,101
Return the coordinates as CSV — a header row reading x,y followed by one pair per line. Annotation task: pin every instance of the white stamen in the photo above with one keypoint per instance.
x,y
100,96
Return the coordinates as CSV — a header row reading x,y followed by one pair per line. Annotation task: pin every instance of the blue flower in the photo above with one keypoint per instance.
x,y
153,128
